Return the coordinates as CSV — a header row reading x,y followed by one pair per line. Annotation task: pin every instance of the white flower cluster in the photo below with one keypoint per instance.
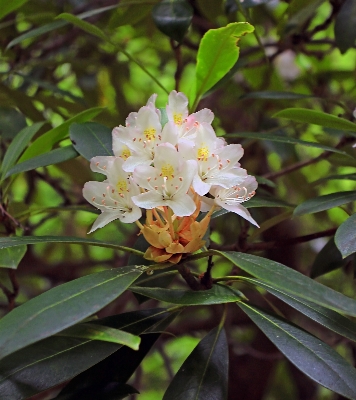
x,y
182,165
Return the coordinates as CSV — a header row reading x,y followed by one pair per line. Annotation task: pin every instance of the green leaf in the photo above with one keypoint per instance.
x,y
10,258
58,359
85,26
264,201
328,318
204,374
347,177
306,116
344,28
173,17
55,25
52,157
290,281
309,354
270,95
217,295
104,333
328,259
61,307
91,139
345,237
284,139
14,241
17,146
217,54
6,7
325,202
11,122
46,141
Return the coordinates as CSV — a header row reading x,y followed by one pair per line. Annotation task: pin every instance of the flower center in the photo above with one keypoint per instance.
x,y
167,170
177,118
126,153
121,186
150,133
203,153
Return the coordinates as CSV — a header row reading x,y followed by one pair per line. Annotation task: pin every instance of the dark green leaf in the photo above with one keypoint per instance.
x,y
328,318
345,237
57,359
61,307
328,259
217,54
346,177
6,7
325,202
344,28
292,282
217,295
306,116
283,139
91,139
6,242
11,122
269,95
52,157
104,333
46,141
204,374
18,145
312,356
10,258
85,26
173,18
264,201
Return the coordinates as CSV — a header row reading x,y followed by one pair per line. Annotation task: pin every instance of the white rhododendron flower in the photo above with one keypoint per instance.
x,y
174,172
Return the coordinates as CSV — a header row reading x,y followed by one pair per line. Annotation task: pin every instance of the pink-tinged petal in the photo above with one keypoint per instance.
x,y
199,186
101,164
182,206
177,108
148,120
170,133
93,192
131,119
145,176
231,152
149,200
204,115
237,209
103,219
250,183
135,161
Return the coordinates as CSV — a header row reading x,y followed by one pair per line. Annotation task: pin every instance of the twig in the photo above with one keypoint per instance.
x,y
189,277
178,55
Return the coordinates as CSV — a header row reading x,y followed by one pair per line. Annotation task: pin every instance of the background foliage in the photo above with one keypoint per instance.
x,y
70,71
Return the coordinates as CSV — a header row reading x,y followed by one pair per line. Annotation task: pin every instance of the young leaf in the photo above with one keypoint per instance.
x,y
17,146
217,295
306,116
325,202
61,307
46,141
57,359
344,28
309,354
10,258
52,157
173,17
91,139
204,374
345,237
217,54
290,281
104,333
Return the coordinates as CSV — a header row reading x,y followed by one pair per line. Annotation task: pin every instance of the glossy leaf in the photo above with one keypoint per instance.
x,y
58,359
204,374
292,282
328,259
103,333
217,54
345,237
270,95
328,318
173,17
325,202
91,139
344,28
306,116
46,141
52,157
6,7
61,307
10,258
217,295
284,139
309,354
6,242
17,146
11,122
